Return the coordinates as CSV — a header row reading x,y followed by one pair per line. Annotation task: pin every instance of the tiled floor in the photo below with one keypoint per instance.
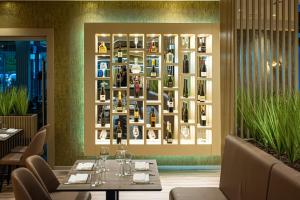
x,y
169,180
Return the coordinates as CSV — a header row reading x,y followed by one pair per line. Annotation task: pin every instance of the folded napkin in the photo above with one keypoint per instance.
x,y
78,178
141,178
11,130
141,166
85,166
3,136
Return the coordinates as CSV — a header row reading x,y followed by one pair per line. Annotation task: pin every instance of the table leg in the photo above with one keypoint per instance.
x,y
112,195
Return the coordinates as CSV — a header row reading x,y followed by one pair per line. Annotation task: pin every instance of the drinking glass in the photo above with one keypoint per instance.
x,y
136,132
104,153
136,41
120,157
128,163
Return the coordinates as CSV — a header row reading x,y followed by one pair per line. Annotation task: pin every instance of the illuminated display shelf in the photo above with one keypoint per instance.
x,y
154,92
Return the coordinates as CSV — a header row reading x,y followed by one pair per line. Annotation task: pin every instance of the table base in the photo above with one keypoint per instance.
x,y
112,195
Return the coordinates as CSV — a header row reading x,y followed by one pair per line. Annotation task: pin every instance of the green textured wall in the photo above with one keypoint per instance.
x,y
67,19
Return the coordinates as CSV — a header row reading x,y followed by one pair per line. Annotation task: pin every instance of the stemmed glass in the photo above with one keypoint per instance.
x,y
136,41
104,153
135,132
128,158
120,157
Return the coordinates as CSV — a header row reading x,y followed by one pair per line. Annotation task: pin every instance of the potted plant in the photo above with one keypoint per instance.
x,y
274,124
14,112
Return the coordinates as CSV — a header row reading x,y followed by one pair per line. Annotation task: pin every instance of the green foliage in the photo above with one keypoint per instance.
x,y
274,121
14,101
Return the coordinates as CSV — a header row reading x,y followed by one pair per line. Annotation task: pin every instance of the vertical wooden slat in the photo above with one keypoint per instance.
x,y
289,46
283,52
265,47
252,54
296,81
259,57
271,47
276,47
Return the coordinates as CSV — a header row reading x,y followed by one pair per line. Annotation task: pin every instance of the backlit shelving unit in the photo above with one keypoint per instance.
x,y
134,41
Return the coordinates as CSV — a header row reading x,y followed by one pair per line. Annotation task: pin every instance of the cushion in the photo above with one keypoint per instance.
x,y
196,193
284,183
71,196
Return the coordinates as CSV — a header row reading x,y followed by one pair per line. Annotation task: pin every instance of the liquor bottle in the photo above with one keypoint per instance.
x,y
170,82
119,133
102,93
186,64
185,89
120,53
98,90
152,117
136,113
203,69
170,103
202,45
119,105
203,116
137,88
201,92
172,47
169,133
169,57
123,76
103,120
153,48
185,113
153,72
102,48
99,115
136,68
118,78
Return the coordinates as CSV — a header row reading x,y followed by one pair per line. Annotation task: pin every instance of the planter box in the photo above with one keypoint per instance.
x,y
27,122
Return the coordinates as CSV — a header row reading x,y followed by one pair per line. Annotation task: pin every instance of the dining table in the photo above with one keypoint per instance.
x,y
111,182
10,138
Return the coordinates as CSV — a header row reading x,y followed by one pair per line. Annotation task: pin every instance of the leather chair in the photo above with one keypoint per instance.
x,y
22,149
18,159
42,171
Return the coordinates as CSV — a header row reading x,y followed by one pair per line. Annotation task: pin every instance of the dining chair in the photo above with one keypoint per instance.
x,y
18,159
42,171
27,187
22,149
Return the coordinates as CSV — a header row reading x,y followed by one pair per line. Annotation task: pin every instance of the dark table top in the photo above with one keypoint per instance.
x,y
10,134
113,182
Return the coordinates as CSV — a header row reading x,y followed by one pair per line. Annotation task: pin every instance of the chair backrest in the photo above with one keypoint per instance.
x,y
42,171
35,147
26,186
245,170
284,183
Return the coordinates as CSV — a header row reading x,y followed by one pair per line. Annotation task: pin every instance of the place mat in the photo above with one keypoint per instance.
x,y
78,179
11,130
141,166
85,166
3,136
142,178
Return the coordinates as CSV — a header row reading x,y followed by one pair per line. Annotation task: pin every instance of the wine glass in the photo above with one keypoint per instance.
x,y
136,41
128,159
135,132
151,134
103,134
104,153
120,157
185,131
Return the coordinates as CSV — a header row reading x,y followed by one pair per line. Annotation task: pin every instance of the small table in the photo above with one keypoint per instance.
x,y
12,140
114,183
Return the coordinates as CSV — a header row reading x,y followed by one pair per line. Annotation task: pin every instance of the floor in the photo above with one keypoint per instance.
x,y
169,180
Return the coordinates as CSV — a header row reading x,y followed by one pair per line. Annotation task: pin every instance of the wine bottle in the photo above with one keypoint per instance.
x,y
136,88
102,48
102,93
118,78
170,82
169,133
202,45
119,133
119,105
169,57
120,53
136,68
203,69
185,89
136,113
153,72
99,115
123,76
201,92
152,117
103,120
185,113
186,63
203,116
170,103
153,48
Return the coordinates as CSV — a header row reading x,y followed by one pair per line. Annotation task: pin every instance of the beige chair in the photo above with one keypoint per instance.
x,y
42,171
18,159
22,149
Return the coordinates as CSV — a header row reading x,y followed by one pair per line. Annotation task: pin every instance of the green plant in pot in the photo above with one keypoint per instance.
x,y
273,122
14,102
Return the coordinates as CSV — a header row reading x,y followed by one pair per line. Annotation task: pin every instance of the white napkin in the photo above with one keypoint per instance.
x,y
140,178
3,136
78,178
11,130
85,166
141,166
